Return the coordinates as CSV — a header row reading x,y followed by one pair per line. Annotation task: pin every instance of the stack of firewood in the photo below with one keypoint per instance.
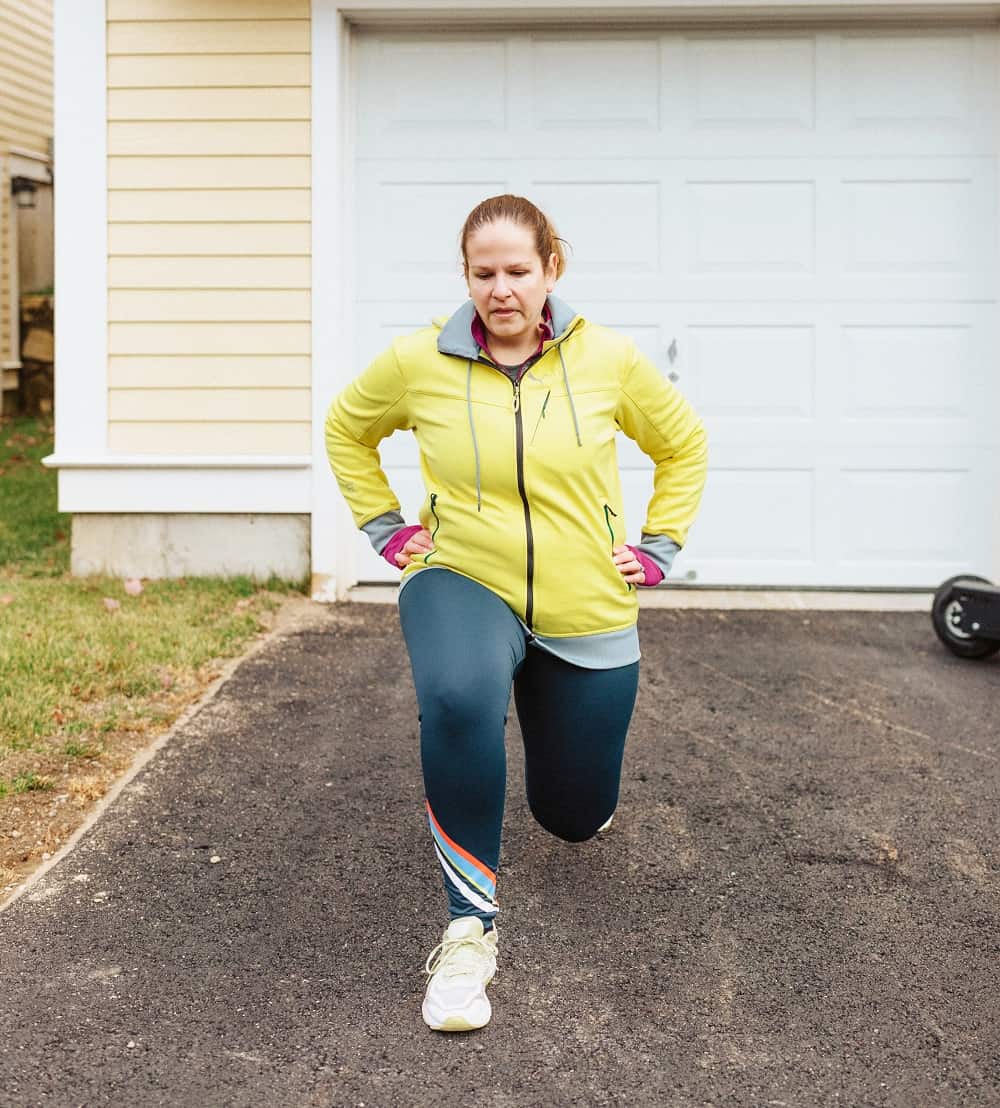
x,y
36,388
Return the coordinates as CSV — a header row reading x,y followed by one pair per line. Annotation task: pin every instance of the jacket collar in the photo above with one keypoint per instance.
x,y
456,335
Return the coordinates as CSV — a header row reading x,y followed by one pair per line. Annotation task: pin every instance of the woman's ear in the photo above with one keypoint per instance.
x,y
551,271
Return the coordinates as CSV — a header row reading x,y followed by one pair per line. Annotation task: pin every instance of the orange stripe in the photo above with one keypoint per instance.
x,y
458,850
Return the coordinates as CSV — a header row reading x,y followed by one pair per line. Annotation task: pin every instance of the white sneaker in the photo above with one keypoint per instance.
x,y
606,826
460,968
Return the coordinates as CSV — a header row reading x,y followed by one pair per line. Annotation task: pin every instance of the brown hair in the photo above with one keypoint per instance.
x,y
521,211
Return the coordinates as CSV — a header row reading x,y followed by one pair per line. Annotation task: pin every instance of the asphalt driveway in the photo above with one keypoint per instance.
x,y
798,904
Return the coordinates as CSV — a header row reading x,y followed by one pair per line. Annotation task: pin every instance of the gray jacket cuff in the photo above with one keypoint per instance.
x,y
381,529
659,549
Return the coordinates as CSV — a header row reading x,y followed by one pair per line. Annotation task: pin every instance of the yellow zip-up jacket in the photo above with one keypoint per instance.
x,y
523,488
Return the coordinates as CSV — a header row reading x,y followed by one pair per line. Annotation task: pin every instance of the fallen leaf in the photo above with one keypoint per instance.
x,y
6,598
58,715
133,586
166,680
241,605
112,605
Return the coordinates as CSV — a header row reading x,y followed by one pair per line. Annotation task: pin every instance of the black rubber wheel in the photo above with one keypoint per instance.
x,y
944,615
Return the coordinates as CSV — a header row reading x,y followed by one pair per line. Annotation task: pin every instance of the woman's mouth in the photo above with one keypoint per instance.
x,y
504,313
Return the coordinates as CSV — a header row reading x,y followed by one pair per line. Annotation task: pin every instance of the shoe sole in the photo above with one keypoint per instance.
x,y
456,1023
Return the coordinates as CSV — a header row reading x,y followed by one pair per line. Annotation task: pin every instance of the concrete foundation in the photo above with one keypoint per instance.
x,y
158,546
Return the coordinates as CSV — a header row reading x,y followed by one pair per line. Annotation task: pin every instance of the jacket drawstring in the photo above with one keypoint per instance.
x,y
569,393
472,428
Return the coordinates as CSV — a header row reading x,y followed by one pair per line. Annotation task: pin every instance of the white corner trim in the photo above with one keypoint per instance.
x,y
81,207
122,488
333,532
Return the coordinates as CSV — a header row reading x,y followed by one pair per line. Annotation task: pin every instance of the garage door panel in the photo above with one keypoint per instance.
x,y
746,82
900,516
925,80
564,95
920,372
912,226
416,87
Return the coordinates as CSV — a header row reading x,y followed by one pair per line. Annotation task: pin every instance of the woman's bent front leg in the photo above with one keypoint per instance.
x,y
574,722
465,646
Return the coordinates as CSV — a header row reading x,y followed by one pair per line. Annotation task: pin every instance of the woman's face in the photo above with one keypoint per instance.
x,y
507,281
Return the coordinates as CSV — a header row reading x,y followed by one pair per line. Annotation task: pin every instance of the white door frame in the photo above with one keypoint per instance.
x,y
334,568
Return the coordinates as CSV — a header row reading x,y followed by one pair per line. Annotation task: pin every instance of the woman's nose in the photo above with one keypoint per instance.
x,y
500,290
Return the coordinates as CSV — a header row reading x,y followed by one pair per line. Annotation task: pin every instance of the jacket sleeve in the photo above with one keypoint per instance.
x,y
666,427
367,411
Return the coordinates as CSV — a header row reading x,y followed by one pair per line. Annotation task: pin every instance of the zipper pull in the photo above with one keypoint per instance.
x,y
517,395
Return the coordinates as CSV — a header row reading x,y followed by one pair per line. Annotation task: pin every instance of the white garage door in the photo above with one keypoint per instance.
x,y
800,226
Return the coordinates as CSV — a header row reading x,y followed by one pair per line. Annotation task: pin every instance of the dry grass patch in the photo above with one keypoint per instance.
x,y
93,671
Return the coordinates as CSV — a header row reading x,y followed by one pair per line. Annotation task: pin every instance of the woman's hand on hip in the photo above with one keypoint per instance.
x,y
628,565
416,546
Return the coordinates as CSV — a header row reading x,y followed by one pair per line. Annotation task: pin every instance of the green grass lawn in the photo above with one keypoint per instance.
x,y
34,536
91,670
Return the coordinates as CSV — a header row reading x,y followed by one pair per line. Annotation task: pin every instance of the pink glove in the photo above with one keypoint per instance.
x,y
654,575
397,542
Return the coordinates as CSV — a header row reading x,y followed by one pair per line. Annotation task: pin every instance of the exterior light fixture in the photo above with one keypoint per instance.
x,y
24,190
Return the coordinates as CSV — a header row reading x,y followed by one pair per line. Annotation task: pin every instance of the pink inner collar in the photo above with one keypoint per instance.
x,y
545,332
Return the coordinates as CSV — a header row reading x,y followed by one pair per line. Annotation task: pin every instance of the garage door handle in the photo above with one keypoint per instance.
x,y
672,357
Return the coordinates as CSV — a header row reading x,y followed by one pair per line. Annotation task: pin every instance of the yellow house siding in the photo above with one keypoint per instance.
x,y
209,231
26,74
25,125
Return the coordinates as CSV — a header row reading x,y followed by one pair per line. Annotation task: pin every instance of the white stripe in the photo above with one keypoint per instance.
x,y
472,897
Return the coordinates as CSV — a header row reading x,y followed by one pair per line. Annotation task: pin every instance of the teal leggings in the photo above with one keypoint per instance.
x,y
467,650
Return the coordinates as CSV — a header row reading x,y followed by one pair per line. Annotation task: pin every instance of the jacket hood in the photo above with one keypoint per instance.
x,y
456,333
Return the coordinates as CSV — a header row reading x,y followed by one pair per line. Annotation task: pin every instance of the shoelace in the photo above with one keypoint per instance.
x,y
446,956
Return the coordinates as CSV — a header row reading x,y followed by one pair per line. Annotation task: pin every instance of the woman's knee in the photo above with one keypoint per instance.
x,y
458,706
570,826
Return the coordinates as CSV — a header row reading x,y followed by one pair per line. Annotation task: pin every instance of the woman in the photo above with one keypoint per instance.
x,y
517,573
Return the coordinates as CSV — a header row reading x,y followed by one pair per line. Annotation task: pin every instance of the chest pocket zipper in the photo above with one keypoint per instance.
x,y
541,416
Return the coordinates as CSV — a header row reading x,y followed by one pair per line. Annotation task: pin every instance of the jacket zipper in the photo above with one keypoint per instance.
x,y
529,604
